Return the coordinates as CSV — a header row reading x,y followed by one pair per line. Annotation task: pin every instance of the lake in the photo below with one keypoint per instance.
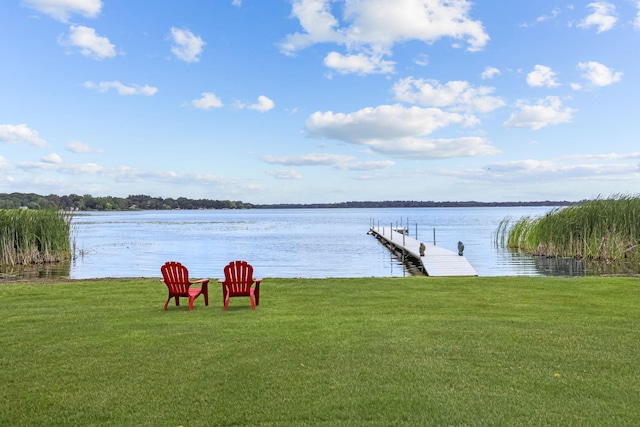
x,y
311,243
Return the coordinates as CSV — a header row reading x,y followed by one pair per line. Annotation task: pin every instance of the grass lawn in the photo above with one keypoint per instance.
x,y
329,352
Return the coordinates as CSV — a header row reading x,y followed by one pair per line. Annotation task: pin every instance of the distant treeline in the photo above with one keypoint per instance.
x,y
144,202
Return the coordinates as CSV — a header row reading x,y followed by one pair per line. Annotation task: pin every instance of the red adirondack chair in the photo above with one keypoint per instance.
x,y
238,282
176,277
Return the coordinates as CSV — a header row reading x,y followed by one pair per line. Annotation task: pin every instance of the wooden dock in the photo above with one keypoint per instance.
x,y
436,261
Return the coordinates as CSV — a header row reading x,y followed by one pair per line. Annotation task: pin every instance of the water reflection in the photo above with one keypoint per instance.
x,y
39,271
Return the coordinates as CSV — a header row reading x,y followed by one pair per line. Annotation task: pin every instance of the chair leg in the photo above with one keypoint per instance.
x,y
167,303
177,301
226,302
253,302
191,303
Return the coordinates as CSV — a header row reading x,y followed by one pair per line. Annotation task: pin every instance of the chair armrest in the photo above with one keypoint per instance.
x,y
203,281
222,281
257,281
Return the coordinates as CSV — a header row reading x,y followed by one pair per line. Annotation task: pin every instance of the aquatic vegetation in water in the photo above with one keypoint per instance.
x,y
600,230
34,236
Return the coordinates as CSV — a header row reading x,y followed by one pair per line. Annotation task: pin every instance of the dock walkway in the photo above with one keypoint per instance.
x,y
436,261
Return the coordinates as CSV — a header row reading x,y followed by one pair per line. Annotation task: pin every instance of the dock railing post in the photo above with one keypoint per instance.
x,y
391,230
434,236
416,231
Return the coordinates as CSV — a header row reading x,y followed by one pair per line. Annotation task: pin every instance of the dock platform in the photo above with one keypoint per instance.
x,y
436,261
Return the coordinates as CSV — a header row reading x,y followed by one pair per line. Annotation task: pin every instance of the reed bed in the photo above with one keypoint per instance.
x,y
34,236
604,230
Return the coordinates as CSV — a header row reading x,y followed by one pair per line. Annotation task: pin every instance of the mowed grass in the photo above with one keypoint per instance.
x,y
329,352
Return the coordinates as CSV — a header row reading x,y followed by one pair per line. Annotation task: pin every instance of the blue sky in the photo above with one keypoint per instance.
x,y
320,101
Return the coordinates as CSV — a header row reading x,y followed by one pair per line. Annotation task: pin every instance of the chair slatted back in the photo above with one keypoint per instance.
x,y
238,277
176,277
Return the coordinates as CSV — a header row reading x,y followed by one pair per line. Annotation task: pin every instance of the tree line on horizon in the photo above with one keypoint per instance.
x,y
87,202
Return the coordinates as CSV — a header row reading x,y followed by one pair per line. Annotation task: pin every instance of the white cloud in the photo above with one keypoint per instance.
x,y
538,171
607,156
358,64
398,131
89,43
456,95
546,112
237,3
542,76
313,159
122,89
285,174
264,104
371,28
63,9
367,166
20,134
554,13
52,158
3,163
603,16
80,147
187,46
489,73
598,74
636,22
206,101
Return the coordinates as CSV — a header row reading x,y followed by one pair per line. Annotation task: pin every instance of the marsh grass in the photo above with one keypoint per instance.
x,y
333,352
34,236
604,230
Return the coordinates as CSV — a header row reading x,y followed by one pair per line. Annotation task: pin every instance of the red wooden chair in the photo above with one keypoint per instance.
x,y
176,277
238,281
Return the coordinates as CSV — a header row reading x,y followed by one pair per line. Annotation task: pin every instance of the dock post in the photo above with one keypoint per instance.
x,y
416,231
434,236
391,230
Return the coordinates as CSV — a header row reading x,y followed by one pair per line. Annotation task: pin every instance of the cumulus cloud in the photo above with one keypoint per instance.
x,y
3,163
20,134
369,29
603,17
122,89
398,131
358,64
598,74
206,101
545,112
62,10
455,95
80,147
263,105
90,44
52,158
542,76
489,73
287,174
186,46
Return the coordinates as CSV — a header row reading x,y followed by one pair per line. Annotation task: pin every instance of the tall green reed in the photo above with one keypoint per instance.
x,y
601,230
34,236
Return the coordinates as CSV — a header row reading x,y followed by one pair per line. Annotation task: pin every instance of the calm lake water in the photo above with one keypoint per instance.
x,y
313,243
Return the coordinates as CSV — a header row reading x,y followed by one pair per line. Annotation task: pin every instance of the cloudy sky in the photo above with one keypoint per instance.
x,y
287,101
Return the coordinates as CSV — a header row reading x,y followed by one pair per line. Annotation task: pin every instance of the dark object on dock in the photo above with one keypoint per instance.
x,y
422,248
460,248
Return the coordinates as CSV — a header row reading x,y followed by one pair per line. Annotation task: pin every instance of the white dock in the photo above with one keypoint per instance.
x,y
436,261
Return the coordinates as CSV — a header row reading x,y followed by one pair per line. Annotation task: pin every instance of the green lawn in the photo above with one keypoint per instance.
x,y
330,352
